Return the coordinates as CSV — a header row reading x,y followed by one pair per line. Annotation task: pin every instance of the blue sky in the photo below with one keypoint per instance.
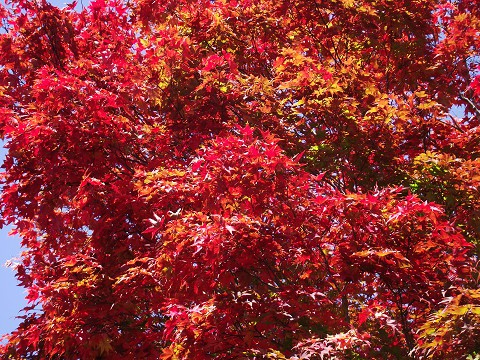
x,y
12,299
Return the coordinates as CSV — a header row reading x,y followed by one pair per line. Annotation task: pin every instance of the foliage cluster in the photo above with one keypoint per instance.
x,y
234,179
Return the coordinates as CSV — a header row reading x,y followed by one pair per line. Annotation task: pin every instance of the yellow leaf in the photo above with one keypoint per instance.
x,y
299,102
427,105
275,354
349,3
458,310
335,88
475,310
421,94
371,90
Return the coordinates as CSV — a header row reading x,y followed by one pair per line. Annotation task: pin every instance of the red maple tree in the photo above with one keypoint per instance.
x,y
235,179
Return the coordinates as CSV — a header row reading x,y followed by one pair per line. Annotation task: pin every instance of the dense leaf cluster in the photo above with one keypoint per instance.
x,y
235,179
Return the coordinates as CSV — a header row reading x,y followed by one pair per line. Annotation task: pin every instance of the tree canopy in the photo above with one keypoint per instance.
x,y
243,179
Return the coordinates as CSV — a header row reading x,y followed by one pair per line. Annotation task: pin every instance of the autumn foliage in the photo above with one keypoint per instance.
x,y
243,179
